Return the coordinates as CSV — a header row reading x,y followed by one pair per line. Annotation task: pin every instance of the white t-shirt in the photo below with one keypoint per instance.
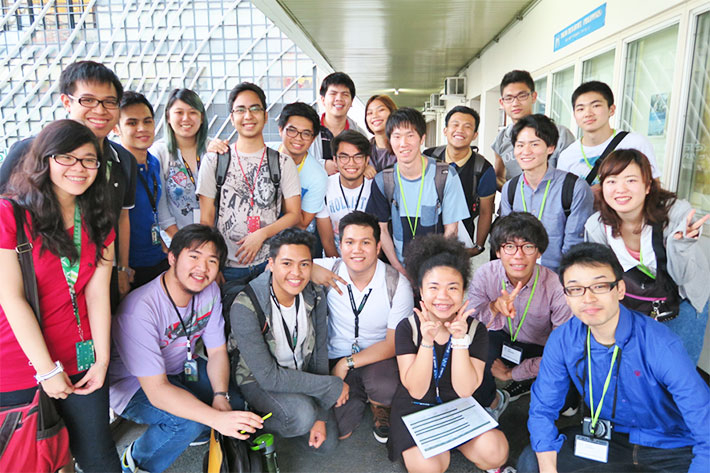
x,y
572,160
284,355
339,203
375,319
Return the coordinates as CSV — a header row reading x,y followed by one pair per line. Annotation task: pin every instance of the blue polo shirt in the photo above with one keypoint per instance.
x,y
661,400
143,253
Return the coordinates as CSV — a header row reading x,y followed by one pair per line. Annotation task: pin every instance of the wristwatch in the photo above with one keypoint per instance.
x,y
350,361
222,393
478,247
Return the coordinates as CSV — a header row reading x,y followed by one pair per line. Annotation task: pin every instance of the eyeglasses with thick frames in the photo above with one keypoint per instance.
x,y
110,103
346,158
69,160
254,109
521,97
292,133
597,288
512,248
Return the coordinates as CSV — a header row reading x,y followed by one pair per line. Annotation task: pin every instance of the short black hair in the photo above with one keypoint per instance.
x,y
431,251
89,72
133,98
516,76
243,87
337,78
463,109
544,127
521,225
353,137
406,117
363,219
299,109
291,236
594,86
590,254
195,235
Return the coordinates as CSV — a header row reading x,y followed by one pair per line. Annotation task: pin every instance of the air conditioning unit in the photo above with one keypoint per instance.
x,y
454,88
427,106
436,101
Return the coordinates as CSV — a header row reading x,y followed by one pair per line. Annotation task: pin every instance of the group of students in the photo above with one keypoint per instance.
x,y
321,325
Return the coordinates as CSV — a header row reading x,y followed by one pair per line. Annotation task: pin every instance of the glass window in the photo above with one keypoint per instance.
x,y
694,179
541,89
648,82
562,88
599,68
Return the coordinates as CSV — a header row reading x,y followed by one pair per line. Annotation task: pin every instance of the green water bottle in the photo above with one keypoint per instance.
x,y
265,443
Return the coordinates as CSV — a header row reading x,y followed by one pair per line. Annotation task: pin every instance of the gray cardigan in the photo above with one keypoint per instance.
x,y
687,264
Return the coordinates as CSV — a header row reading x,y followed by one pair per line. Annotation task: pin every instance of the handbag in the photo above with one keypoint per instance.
x,y
230,455
33,437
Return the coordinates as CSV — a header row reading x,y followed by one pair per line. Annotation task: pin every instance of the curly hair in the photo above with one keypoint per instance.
x,y
31,187
431,251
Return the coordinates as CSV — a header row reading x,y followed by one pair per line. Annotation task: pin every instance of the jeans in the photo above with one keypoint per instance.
x,y
168,435
623,456
690,327
243,275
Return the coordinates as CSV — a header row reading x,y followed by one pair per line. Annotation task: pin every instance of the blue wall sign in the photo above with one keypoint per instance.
x,y
592,21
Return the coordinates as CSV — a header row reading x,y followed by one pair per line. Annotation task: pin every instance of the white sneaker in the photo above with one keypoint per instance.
x,y
503,401
128,465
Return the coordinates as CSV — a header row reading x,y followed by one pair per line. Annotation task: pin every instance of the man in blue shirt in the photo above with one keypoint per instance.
x,y
648,408
541,188
414,208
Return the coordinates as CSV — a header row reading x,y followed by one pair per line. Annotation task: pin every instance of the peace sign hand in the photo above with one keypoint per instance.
x,y
504,304
692,230
458,327
428,326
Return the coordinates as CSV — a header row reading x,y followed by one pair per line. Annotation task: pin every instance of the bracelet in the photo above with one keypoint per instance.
x,y
129,271
424,345
463,342
58,368
351,363
222,393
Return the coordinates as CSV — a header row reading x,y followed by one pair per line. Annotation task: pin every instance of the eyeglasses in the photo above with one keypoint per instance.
x,y
345,158
69,160
511,248
598,288
92,102
305,134
521,97
254,109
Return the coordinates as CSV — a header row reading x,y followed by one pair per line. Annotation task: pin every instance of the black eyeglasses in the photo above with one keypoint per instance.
x,y
597,288
521,97
512,248
254,109
69,160
110,103
305,134
345,158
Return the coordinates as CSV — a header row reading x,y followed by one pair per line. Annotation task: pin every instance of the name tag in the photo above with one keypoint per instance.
x,y
195,215
511,353
591,449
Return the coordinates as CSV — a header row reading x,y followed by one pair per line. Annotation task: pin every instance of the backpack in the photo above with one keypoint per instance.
x,y
391,279
223,160
567,191
416,336
442,171
229,293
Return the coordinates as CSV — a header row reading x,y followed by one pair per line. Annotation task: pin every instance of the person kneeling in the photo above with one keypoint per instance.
x,y
281,332
154,376
440,269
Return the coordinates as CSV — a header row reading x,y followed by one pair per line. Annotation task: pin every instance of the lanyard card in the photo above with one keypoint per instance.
x,y
591,449
85,357
155,234
190,370
196,215
253,223
511,353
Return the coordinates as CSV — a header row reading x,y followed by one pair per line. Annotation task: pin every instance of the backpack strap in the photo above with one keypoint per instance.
x,y
568,192
260,316
272,161
438,153
609,148
511,189
223,160
24,255
391,280
441,173
388,183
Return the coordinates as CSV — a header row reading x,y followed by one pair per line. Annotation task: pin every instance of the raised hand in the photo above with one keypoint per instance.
x,y
218,146
692,230
504,304
428,325
458,327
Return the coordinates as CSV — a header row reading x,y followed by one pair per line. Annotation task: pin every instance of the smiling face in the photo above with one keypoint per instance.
x,y
291,270
195,268
359,248
406,144
598,311
249,124
519,266
460,131
297,147
376,116
337,101
530,151
626,192
73,180
184,120
350,169
519,107
136,127
442,292
592,113
97,119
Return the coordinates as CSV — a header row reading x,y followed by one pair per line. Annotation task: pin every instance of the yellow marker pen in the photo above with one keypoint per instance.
x,y
262,419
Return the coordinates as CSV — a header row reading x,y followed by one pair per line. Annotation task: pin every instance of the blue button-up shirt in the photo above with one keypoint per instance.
x,y
563,232
661,400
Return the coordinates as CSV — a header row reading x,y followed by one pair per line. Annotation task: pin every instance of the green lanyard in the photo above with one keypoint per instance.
x,y
527,306
71,268
643,268
584,155
544,197
595,414
419,202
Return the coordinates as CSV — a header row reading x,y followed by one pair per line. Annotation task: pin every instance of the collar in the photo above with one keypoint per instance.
x,y
461,162
322,122
546,177
528,285
379,268
623,329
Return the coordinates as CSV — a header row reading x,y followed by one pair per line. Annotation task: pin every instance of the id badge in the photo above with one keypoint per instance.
x,y
190,370
196,215
355,348
511,353
253,223
591,449
155,234
85,357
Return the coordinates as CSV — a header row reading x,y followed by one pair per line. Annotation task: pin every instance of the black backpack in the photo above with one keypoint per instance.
x,y
230,290
567,191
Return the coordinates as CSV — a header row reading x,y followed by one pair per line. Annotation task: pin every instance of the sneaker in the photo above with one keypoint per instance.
x,y
571,408
127,463
517,389
381,429
503,400
197,443
503,469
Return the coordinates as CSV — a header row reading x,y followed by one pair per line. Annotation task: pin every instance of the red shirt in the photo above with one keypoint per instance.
x,y
58,322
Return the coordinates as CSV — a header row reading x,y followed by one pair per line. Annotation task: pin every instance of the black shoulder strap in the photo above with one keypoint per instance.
x,y
478,163
609,148
568,192
24,254
659,248
260,316
442,171
272,160
388,183
511,189
223,160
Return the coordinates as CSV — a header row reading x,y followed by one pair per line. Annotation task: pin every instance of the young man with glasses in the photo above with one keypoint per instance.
x,y
646,407
517,97
252,208
348,189
521,303
91,94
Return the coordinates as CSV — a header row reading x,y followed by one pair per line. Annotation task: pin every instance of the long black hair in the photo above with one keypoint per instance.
x,y
31,187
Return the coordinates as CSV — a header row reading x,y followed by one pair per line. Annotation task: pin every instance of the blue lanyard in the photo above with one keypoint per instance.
x,y
439,369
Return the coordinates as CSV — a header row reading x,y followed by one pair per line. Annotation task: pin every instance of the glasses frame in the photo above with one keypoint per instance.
x,y
98,102
80,160
521,97
254,109
612,285
518,247
354,158
292,132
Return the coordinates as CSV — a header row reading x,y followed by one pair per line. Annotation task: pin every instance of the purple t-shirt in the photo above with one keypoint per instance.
x,y
148,338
